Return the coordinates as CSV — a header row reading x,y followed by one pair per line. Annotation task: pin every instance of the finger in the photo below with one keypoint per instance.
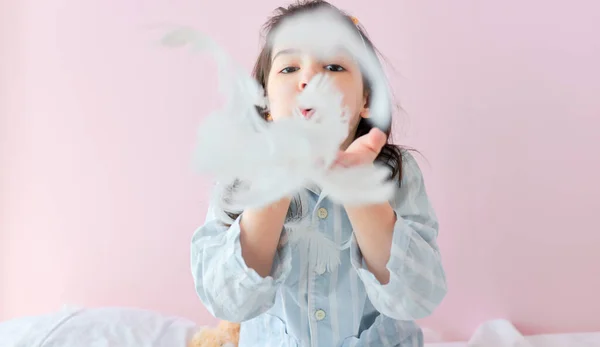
x,y
376,139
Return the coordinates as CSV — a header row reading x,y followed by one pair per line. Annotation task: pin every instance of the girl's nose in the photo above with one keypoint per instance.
x,y
307,75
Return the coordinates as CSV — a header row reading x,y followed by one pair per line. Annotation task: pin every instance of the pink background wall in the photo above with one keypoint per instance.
x,y
97,127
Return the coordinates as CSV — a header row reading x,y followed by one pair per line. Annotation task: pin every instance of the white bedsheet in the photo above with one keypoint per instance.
x,y
501,333
103,327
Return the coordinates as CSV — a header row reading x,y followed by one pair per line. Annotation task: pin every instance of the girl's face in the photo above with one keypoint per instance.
x,y
292,69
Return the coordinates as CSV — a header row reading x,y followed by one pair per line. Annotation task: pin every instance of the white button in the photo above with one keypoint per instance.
x,y
320,315
322,213
320,270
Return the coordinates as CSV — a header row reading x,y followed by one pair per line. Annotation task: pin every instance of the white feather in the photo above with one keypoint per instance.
x,y
280,158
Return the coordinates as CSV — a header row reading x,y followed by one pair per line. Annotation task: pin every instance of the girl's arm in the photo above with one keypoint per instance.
x,y
260,232
395,252
238,269
374,246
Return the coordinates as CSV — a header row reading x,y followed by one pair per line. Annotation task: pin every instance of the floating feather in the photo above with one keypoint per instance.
x,y
280,158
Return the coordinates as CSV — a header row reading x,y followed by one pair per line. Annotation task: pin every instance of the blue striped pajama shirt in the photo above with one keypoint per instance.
x,y
335,301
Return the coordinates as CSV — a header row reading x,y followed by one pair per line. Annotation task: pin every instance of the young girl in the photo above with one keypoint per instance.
x,y
251,267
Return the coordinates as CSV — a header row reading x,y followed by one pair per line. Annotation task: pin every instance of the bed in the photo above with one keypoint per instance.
x,y
129,327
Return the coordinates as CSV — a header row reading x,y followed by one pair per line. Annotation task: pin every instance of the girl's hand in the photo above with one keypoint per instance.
x,y
363,150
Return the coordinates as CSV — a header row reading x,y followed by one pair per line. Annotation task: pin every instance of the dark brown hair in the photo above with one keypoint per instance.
x,y
390,155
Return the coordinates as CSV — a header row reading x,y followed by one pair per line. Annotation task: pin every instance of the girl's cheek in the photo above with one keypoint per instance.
x,y
284,97
281,91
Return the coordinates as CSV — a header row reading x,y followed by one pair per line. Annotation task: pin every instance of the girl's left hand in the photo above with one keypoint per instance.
x,y
363,150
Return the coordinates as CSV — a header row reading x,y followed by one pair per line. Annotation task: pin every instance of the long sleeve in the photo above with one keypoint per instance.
x,y
228,288
417,280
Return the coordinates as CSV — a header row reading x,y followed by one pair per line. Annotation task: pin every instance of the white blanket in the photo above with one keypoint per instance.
x,y
126,327
103,327
501,333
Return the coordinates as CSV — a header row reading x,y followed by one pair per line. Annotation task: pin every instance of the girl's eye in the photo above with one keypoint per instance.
x,y
289,69
335,68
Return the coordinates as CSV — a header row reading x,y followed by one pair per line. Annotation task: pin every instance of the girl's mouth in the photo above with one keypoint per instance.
x,y
307,112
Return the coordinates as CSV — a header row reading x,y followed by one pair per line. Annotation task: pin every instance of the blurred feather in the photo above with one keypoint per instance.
x,y
276,159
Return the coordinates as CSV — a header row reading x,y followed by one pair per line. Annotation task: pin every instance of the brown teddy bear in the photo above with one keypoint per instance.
x,y
226,334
